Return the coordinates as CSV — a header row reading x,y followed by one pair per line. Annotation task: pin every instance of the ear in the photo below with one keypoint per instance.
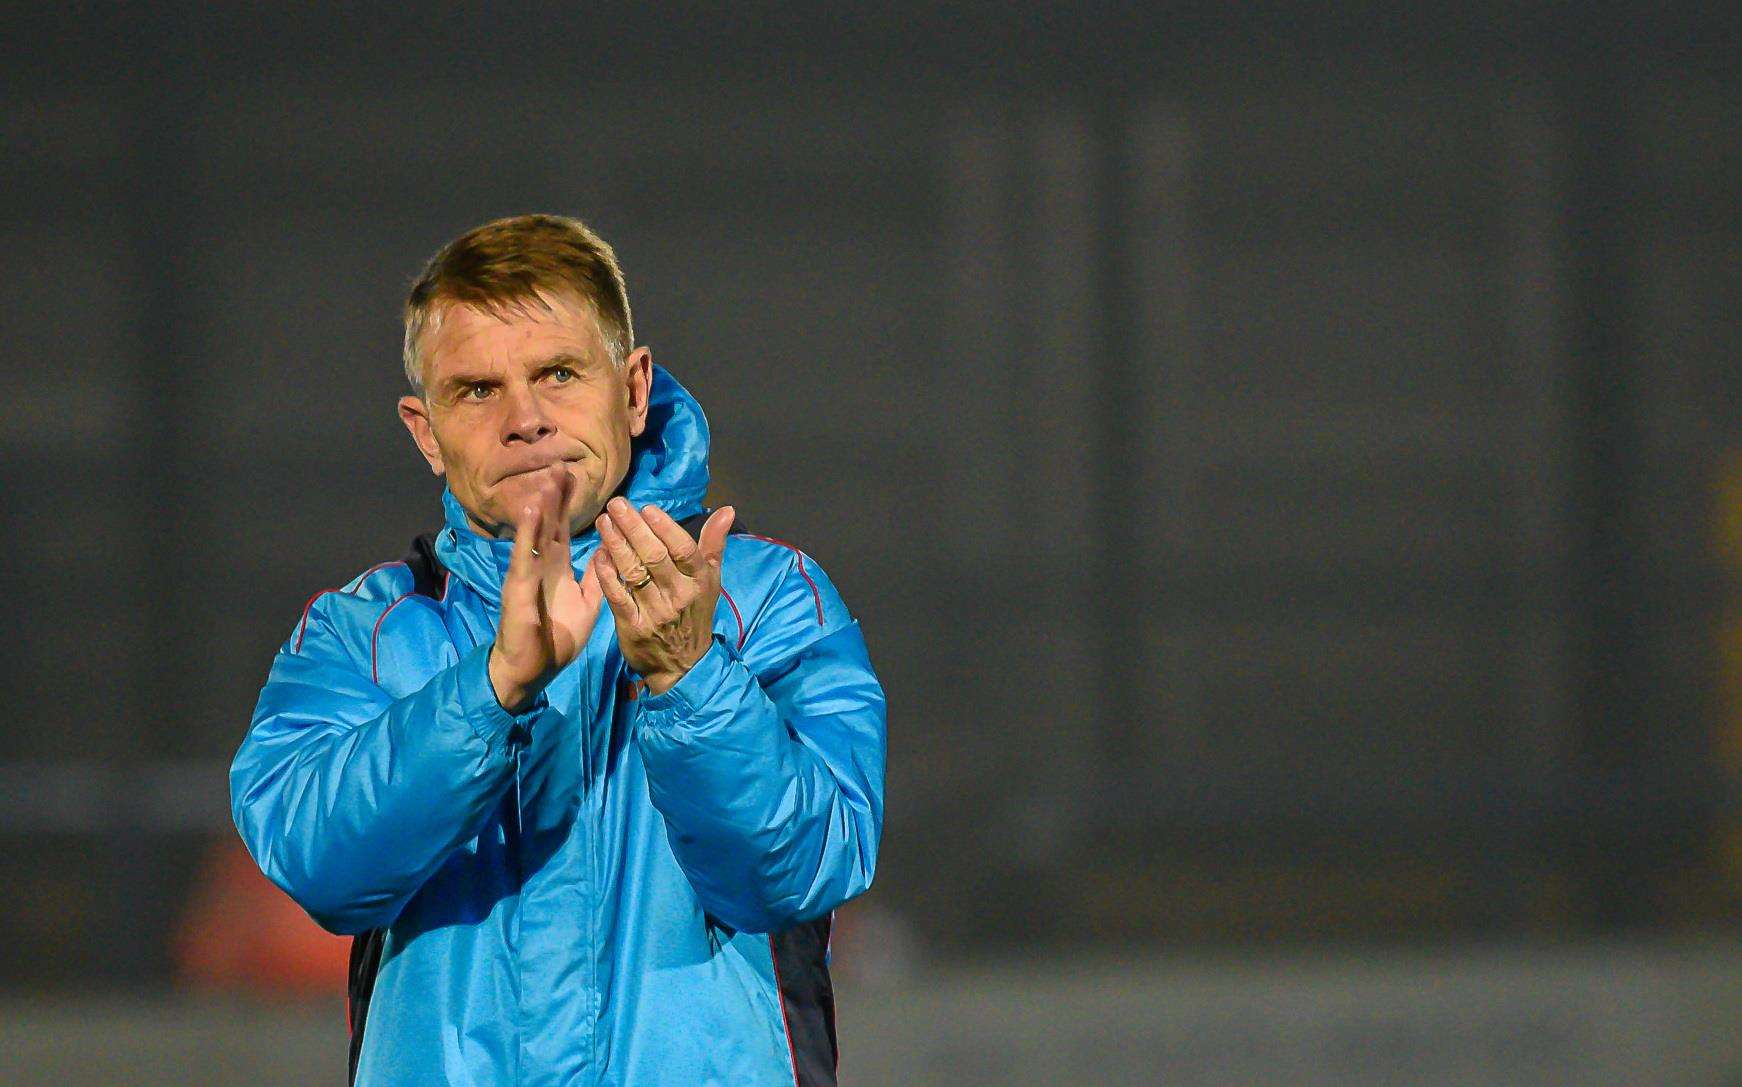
x,y
414,413
638,382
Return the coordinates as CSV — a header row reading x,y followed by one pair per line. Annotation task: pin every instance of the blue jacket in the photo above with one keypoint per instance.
x,y
603,889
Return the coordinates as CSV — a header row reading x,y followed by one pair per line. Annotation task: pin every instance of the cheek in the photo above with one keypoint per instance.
x,y
599,424
618,441
464,461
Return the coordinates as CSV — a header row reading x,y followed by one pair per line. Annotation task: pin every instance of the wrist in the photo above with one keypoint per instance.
x,y
658,683
511,696
661,682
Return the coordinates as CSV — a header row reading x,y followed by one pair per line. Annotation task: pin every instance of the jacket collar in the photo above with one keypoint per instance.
x,y
668,467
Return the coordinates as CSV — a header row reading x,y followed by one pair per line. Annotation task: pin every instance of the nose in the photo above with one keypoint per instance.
x,y
524,419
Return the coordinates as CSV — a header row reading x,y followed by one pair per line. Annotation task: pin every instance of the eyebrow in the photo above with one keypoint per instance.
x,y
550,362
563,358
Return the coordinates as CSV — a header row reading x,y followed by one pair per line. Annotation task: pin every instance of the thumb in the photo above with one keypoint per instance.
x,y
713,535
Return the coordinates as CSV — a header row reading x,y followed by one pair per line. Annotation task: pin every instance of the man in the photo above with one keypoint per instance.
x,y
586,785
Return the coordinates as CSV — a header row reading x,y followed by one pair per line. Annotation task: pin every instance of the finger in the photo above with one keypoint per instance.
x,y
684,552
648,548
627,563
616,547
531,523
592,590
615,592
565,494
522,564
552,491
562,563
551,564
520,586
713,542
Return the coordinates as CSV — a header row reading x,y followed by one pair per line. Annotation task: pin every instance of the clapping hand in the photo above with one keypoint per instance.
x,y
547,616
662,586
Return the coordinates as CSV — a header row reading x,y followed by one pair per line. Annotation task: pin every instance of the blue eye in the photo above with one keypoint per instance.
x,y
477,392
565,373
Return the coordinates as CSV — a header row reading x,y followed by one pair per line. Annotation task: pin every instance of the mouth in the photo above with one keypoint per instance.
x,y
539,467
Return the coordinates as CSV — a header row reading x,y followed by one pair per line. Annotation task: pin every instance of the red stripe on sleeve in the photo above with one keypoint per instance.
x,y
802,571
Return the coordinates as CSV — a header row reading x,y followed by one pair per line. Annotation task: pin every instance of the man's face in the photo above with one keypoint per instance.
x,y
506,398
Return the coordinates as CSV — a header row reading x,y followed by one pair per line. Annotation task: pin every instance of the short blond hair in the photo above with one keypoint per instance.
x,y
504,265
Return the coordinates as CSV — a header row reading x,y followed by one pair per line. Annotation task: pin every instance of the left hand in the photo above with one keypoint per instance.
x,y
667,624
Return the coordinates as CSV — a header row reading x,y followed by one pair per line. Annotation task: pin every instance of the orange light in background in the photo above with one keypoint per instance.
x,y
241,933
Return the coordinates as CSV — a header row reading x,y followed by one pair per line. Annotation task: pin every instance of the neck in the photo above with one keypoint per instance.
x,y
472,523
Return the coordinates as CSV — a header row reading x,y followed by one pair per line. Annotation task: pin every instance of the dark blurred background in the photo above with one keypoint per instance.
x,y
1287,465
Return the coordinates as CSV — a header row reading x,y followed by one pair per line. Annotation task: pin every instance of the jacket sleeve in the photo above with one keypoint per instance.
x,y
350,799
771,781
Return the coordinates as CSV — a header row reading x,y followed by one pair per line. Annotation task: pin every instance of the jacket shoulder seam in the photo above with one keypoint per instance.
x,y
799,556
353,588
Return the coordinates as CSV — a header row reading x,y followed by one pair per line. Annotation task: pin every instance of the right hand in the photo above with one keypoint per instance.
x,y
547,616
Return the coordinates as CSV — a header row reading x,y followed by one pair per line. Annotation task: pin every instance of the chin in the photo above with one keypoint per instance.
x,y
508,496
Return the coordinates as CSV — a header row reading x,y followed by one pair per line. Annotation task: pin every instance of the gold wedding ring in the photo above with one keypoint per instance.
x,y
642,584
535,552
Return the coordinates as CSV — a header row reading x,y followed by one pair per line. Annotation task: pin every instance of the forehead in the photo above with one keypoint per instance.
x,y
465,335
